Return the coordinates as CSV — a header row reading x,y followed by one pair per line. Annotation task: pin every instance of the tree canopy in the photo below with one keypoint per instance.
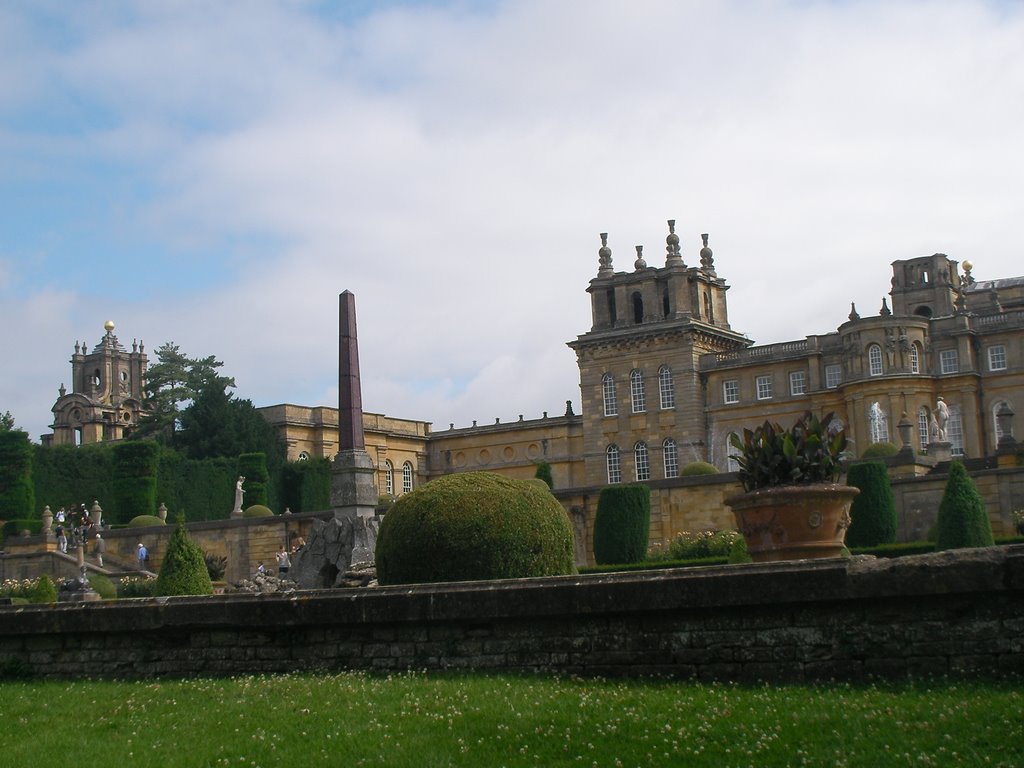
x,y
6,422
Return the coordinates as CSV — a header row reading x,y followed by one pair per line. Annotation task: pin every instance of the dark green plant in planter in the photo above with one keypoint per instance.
x,y
771,456
962,521
793,507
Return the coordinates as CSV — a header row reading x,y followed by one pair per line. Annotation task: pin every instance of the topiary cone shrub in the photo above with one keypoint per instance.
x,y
474,526
873,512
183,571
622,524
962,521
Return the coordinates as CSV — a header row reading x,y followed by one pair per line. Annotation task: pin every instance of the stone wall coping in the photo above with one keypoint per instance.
x,y
787,585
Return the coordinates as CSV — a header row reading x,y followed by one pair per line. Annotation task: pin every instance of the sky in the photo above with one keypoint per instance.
x,y
216,174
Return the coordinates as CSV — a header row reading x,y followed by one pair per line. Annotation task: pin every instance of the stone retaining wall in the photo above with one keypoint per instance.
x,y
948,613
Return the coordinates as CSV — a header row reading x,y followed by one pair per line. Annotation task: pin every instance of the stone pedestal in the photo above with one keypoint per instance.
x,y
352,487
940,450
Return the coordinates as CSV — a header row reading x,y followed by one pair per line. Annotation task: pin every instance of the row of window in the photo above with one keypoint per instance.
x,y
642,461
637,395
389,477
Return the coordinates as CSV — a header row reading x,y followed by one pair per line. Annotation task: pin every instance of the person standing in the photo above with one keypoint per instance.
x,y
99,547
283,563
62,539
142,554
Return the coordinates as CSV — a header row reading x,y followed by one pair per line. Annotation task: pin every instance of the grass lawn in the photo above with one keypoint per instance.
x,y
422,720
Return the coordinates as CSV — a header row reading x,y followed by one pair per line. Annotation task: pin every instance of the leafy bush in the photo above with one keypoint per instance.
x,y
692,545
133,586
184,570
215,565
135,468
962,521
544,473
808,452
880,450
253,467
474,526
738,553
43,591
622,524
258,510
39,590
873,513
145,521
103,586
17,493
698,468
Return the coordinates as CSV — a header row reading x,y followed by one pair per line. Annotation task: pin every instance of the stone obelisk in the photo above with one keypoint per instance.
x,y
352,487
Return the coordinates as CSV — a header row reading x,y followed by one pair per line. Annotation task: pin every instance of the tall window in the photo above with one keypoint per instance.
x,y
764,387
732,465
613,463
642,460
636,391
666,388
406,477
389,477
797,383
833,376
731,391
611,407
915,358
955,431
671,454
875,360
997,358
995,421
949,361
878,423
923,427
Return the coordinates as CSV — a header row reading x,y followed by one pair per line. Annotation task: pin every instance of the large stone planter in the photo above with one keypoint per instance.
x,y
794,522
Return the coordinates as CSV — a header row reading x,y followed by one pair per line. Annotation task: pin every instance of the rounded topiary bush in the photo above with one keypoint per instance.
x,y
144,521
258,510
880,450
698,468
474,526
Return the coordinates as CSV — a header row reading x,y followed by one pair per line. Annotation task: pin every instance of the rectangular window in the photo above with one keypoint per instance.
x,y
764,387
997,358
731,391
949,361
833,376
797,383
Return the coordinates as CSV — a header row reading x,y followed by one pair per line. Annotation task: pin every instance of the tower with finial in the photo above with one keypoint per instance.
x,y
107,392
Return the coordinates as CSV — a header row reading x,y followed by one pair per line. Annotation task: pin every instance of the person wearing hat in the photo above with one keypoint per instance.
x,y
142,554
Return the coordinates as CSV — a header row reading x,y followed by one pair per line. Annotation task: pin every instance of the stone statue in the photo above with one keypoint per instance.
x,y
942,419
239,493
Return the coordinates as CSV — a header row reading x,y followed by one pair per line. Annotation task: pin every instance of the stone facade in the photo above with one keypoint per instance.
x,y
959,614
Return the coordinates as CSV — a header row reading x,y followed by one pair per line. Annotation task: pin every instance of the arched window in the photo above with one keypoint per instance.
x,y
614,464
666,388
878,424
875,360
923,427
955,431
611,407
996,430
671,454
406,477
915,358
731,464
636,391
389,477
642,461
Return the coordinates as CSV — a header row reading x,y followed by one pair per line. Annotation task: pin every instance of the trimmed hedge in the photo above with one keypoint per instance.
x,y
544,473
962,521
17,493
474,526
880,450
622,524
306,486
183,571
258,510
135,472
698,468
253,467
873,513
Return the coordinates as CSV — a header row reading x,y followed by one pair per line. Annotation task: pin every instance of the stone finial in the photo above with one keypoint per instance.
x,y
853,312
63,390
639,263
78,349
135,345
604,258
885,311
707,256
568,408
674,257
968,265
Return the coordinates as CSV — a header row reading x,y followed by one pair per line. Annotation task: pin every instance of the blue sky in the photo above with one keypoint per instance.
x,y
215,174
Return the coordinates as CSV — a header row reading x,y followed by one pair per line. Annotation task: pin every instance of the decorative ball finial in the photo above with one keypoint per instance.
x,y
968,266
707,256
672,245
109,326
640,263
604,257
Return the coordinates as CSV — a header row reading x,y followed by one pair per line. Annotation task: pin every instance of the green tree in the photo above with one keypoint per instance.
x,y
6,422
217,424
17,492
873,513
962,520
172,382
183,571
622,524
544,473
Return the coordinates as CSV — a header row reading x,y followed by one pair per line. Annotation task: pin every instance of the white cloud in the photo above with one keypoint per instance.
x,y
453,170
